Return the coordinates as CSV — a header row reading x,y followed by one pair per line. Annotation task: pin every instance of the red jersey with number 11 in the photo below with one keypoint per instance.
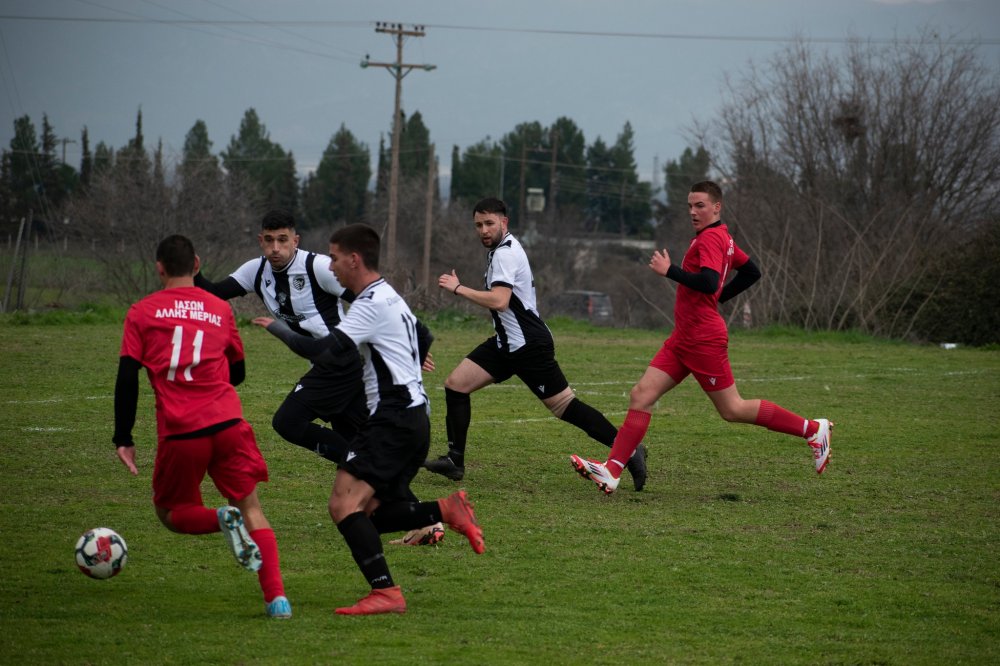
x,y
186,338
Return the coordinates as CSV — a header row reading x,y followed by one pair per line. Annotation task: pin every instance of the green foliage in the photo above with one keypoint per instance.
x,y
337,192
735,552
252,154
955,302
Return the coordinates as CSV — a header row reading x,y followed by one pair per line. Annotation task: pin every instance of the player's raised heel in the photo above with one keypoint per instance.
x,y
820,443
596,472
244,548
456,509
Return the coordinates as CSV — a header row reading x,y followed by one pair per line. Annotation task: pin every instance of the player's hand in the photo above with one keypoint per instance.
x,y
659,263
263,321
428,365
449,281
127,455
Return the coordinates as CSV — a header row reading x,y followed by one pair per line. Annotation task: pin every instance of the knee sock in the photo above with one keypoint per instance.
x,y
779,419
589,420
194,519
366,547
269,574
457,419
401,516
627,441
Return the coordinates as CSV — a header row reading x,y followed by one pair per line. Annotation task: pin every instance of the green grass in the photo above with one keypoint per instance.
x,y
737,552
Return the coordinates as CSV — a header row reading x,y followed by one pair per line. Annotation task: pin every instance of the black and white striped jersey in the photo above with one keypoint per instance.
x,y
305,294
380,323
520,324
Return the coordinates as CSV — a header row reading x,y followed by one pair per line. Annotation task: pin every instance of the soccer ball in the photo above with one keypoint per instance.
x,y
101,553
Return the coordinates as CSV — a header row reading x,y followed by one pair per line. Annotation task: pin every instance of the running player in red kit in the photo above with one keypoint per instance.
x,y
187,341
699,345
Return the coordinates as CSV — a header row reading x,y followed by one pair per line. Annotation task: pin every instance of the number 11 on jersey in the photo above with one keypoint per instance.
x,y
175,353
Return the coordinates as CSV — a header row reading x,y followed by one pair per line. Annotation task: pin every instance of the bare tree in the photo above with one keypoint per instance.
x,y
847,174
123,216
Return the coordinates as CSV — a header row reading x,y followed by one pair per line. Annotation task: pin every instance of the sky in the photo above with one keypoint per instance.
x,y
657,64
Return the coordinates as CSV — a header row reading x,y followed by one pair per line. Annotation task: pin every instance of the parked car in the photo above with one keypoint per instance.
x,y
594,306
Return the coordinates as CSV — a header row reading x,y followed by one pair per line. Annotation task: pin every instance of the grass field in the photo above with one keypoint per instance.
x,y
736,552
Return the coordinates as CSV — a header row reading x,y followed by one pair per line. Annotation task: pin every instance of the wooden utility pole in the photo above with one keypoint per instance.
x,y
398,70
552,176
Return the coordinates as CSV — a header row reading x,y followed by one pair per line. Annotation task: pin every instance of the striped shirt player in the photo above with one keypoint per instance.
x,y
522,346
699,345
371,493
298,288
187,341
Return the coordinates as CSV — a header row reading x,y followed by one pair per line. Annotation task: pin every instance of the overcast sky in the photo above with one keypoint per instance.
x,y
658,64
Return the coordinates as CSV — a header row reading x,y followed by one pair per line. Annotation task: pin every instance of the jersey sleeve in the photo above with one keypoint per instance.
x,y
361,320
504,266
325,277
739,256
247,274
712,252
132,337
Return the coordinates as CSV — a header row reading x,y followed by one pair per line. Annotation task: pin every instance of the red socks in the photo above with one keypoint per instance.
x,y
269,574
627,440
779,419
194,519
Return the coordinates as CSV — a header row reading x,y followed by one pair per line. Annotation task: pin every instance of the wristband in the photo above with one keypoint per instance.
x,y
455,290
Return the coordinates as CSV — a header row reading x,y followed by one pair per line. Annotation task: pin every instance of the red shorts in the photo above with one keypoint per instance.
x,y
230,457
708,364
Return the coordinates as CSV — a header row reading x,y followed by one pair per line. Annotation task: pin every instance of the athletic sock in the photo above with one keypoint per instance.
x,y
400,516
366,548
779,419
627,441
326,442
589,420
457,420
269,574
194,519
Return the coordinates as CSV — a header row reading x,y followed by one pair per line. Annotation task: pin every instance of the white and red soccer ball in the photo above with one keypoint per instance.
x,y
101,553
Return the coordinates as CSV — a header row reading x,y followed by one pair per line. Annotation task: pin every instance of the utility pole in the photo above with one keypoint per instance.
x,y
398,70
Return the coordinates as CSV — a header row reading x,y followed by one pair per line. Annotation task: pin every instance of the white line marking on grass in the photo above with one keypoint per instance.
x,y
40,429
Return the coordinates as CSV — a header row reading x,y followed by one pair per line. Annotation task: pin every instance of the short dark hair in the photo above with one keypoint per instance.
x,y
713,191
359,238
176,254
491,205
277,219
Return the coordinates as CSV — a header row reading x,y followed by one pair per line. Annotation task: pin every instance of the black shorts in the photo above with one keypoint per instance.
x,y
389,450
534,364
332,394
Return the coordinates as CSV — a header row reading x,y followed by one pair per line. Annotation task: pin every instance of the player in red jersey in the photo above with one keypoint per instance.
x,y
187,341
699,345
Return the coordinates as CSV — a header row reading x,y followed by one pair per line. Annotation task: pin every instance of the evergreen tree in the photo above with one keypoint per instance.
x,y
104,159
571,166
414,146
679,175
337,191
199,167
21,173
263,163
476,174
87,160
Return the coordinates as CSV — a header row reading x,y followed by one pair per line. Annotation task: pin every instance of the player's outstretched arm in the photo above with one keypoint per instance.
x,y
225,289
324,350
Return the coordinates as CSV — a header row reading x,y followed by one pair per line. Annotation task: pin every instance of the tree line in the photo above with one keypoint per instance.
x,y
865,183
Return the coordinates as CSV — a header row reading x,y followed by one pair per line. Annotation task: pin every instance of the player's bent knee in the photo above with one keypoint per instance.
x,y
557,404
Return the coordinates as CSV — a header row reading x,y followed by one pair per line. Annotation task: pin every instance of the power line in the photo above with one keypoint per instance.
x,y
982,41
